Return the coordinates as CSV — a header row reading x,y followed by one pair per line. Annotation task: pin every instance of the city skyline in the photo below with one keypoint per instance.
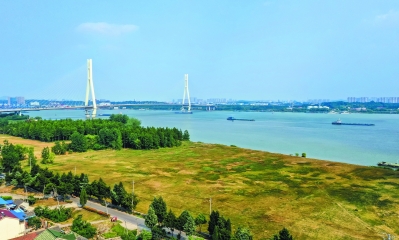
x,y
242,50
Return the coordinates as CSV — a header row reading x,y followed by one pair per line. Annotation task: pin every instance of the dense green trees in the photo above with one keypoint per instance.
x,y
83,227
60,214
121,198
219,226
11,155
78,142
117,132
34,222
59,148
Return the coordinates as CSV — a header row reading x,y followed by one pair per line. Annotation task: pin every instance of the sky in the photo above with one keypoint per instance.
x,y
253,50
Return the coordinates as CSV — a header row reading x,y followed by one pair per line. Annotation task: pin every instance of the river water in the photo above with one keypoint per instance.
x,y
287,133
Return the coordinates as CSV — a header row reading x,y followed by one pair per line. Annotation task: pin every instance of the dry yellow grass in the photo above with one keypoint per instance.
x,y
314,199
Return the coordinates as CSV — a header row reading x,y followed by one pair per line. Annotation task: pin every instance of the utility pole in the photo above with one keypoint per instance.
x,y
133,197
210,206
106,206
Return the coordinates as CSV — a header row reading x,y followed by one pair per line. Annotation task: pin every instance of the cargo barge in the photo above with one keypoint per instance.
x,y
338,122
239,119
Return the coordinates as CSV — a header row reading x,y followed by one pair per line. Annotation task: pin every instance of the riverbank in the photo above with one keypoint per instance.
x,y
314,199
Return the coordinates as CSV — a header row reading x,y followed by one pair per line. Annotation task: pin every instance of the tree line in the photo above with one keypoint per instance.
x,y
118,132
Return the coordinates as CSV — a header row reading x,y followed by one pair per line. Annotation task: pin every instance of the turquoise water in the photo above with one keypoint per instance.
x,y
287,133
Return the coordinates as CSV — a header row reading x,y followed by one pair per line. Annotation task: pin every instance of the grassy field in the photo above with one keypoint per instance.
x,y
264,191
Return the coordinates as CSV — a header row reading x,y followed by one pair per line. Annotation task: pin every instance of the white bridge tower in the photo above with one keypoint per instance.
x,y
186,92
89,87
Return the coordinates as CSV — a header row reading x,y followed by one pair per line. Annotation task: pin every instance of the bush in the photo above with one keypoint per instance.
x,y
34,222
31,200
96,211
303,155
56,215
6,197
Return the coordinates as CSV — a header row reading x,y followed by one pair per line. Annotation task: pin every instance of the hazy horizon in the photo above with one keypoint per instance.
x,y
256,50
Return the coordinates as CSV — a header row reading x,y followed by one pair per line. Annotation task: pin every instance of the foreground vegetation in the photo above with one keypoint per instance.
x,y
259,190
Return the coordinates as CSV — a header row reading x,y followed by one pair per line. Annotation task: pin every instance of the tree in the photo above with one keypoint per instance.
x,y
199,220
83,227
31,157
34,222
133,122
151,219
215,234
45,153
243,234
284,234
10,157
83,197
145,235
213,220
47,156
189,226
160,209
170,221
186,136
303,155
78,142
31,199
119,118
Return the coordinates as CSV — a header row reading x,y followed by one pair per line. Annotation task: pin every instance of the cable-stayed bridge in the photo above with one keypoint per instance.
x,y
91,110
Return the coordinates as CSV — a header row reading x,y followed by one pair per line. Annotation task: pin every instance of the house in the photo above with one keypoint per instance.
x,y
10,225
57,233
29,236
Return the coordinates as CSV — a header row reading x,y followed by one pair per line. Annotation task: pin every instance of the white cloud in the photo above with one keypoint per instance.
x,y
106,28
390,17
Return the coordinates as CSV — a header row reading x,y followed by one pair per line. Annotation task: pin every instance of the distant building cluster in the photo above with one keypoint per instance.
x,y
318,101
373,99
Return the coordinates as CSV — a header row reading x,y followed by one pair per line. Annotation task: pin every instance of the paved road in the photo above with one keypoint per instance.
x,y
130,219
139,222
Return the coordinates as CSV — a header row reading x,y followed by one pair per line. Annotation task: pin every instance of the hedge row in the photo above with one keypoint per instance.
x,y
96,211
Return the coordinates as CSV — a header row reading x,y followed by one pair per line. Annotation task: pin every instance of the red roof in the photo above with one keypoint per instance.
x,y
29,236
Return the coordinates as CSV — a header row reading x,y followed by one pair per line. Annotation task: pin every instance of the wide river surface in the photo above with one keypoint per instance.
x,y
287,133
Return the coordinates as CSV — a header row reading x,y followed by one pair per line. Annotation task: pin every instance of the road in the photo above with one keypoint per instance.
x,y
139,222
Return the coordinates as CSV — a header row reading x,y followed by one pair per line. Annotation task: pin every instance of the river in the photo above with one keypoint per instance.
x,y
287,133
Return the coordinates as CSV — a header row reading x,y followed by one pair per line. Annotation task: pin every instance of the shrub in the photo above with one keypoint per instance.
x,y
6,197
31,200
34,222
96,211
303,155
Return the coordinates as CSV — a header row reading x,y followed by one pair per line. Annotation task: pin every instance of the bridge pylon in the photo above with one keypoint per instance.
x,y
186,92
89,87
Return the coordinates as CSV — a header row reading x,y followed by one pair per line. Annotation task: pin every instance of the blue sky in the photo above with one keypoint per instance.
x,y
254,49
